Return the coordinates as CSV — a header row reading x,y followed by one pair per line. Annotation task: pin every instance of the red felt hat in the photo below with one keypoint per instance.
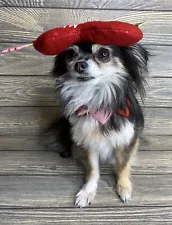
x,y
55,41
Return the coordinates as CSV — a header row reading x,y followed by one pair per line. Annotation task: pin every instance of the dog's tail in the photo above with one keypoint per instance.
x,y
57,137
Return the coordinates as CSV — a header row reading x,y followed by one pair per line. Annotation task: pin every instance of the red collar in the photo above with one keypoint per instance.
x,y
125,112
101,116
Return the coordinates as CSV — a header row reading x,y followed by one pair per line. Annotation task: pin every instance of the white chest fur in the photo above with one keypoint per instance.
x,y
86,133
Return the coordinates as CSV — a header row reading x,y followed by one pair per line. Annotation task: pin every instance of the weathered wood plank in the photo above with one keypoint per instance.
x,y
111,215
158,92
25,24
30,62
156,143
27,91
59,191
24,143
96,4
34,143
32,120
50,163
158,121
24,62
26,120
40,91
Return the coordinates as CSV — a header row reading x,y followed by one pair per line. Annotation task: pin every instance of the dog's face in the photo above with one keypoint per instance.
x,y
88,62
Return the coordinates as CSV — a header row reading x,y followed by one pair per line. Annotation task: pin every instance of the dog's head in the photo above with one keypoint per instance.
x,y
100,76
87,62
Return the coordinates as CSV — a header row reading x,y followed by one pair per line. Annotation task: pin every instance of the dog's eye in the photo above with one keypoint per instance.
x,y
103,55
70,54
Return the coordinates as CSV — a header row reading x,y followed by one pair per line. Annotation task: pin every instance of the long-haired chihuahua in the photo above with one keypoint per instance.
x,y
97,87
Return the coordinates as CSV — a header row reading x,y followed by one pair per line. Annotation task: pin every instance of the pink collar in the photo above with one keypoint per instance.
x,y
101,116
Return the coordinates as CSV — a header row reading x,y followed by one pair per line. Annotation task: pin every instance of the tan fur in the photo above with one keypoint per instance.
x,y
123,168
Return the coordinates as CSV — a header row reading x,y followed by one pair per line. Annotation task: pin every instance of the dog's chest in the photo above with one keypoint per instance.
x,y
86,132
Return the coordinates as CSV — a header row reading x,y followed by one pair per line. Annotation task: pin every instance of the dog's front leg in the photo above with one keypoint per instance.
x,y
123,167
88,192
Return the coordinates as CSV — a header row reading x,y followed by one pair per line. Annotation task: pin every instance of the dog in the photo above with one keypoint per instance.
x,y
97,86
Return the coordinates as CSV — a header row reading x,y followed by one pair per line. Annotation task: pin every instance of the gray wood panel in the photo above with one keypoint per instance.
x,y
162,143
27,91
29,62
158,121
32,120
24,143
112,215
50,163
26,120
35,143
59,191
96,4
24,62
25,24
40,91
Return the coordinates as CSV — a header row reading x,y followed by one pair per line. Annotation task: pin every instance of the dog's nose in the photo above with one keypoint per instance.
x,y
80,67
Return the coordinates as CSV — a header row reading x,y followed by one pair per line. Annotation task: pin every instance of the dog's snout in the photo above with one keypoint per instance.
x,y
80,67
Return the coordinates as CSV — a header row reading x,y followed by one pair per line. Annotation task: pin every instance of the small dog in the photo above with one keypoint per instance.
x,y
97,87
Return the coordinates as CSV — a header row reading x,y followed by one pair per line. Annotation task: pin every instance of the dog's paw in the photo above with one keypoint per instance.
x,y
124,189
86,195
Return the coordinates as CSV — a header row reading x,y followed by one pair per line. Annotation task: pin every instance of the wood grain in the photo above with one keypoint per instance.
x,y
26,120
30,62
25,24
158,121
50,163
27,91
24,62
162,143
35,143
112,215
40,91
32,120
24,143
96,4
59,191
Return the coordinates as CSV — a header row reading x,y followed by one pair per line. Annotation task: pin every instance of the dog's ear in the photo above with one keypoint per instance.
x,y
135,59
59,68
